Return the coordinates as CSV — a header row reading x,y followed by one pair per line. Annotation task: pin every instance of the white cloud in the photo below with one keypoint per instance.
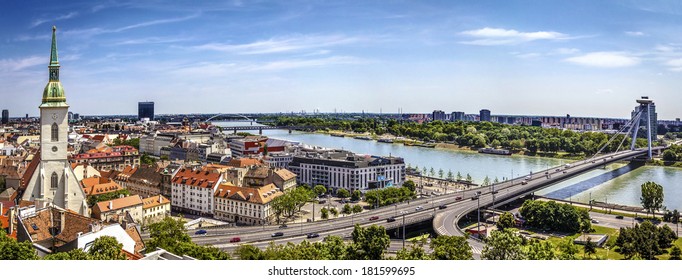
x,y
281,44
634,33
62,17
527,55
97,30
565,51
497,36
11,65
604,91
605,59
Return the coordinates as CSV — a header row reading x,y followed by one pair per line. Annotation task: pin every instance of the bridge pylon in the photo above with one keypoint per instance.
x,y
643,112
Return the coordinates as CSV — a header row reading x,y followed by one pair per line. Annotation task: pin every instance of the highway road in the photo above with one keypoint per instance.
x,y
419,210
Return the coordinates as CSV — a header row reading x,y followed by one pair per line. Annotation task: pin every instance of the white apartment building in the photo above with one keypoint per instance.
x,y
192,191
340,169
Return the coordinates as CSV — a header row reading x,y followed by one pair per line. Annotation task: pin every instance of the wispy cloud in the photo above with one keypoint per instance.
x,y
496,36
605,59
10,65
152,40
565,51
89,32
44,20
217,69
634,33
674,64
526,55
604,91
282,44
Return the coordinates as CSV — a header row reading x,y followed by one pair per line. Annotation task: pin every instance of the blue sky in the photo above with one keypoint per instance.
x,y
584,58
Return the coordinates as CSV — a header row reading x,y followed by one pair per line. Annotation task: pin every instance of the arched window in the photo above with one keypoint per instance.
x,y
54,180
55,132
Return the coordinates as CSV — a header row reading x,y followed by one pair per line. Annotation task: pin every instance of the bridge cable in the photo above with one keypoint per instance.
x,y
628,124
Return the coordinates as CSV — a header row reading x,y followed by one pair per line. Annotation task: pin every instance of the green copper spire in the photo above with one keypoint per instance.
x,y
53,95
54,61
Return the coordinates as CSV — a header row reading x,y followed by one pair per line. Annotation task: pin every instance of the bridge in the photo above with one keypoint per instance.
x,y
444,211
260,128
239,117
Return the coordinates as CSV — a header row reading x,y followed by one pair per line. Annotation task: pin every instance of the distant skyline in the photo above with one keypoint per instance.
x,y
533,57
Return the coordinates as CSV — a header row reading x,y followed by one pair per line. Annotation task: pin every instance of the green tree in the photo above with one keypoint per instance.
x,y
356,195
410,185
319,190
450,175
459,176
369,243
506,220
486,181
441,173
652,197
432,172
357,208
342,193
10,249
675,253
347,209
567,249
540,250
451,248
75,254
167,234
249,252
334,211
503,245
590,248
414,252
106,248
324,213
469,179
146,159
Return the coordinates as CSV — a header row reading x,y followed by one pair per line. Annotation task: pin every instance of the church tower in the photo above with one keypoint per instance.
x,y
54,181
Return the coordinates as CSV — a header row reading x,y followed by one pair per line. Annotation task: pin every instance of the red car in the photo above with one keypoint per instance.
x,y
235,239
374,218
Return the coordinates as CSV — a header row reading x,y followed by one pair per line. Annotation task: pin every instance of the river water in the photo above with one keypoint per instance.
x,y
617,183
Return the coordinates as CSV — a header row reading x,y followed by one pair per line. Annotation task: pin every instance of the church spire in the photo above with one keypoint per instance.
x,y
54,61
53,95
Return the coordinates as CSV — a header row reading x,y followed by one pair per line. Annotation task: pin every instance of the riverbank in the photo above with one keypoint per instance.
x,y
443,145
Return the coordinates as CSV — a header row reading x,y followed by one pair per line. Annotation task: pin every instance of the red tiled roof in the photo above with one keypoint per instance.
x,y
244,162
199,178
118,203
260,195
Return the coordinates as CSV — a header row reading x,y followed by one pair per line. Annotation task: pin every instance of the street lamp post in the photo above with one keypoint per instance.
x,y
478,225
403,230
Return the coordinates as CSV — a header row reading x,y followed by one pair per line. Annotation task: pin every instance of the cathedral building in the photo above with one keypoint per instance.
x,y
53,181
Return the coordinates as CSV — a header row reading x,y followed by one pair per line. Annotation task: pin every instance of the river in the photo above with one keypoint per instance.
x,y
617,183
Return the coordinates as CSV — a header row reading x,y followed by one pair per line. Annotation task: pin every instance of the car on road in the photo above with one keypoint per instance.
x,y
200,232
524,182
313,235
564,171
418,208
639,219
442,207
391,219
373,218
235,239
283,226
495,192
278,234
458,198
474,197
595,221
620,217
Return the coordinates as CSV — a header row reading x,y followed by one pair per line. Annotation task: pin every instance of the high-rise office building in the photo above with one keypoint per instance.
x,y
438,115
485,115
457,116
145,110
5,116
